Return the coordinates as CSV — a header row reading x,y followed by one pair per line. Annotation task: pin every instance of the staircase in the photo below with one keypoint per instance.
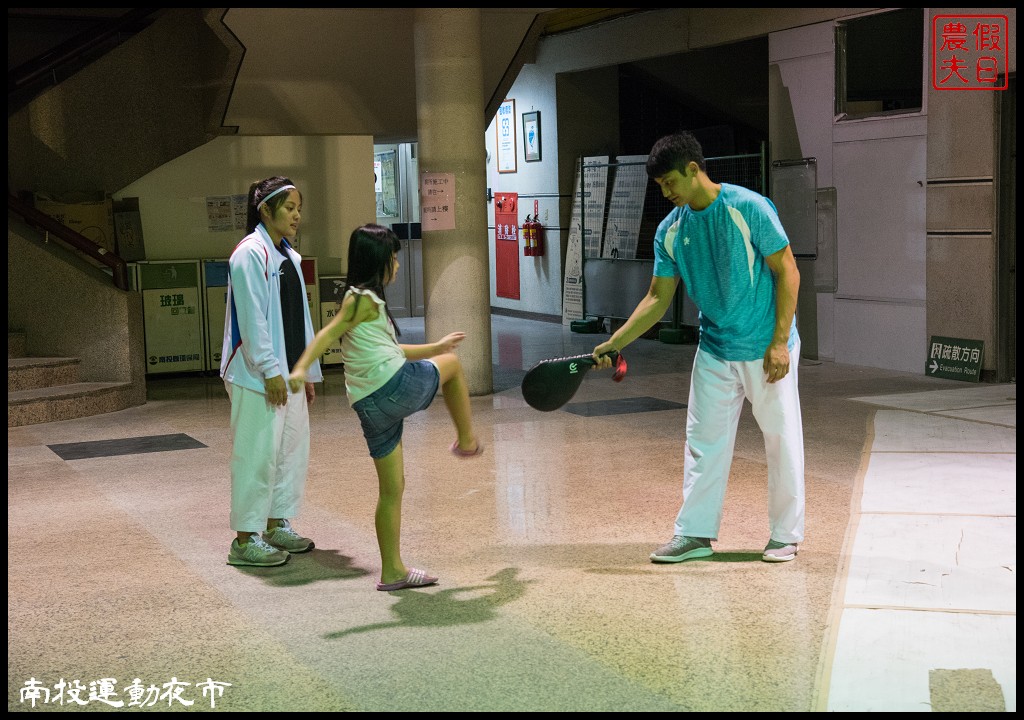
x,y
43,390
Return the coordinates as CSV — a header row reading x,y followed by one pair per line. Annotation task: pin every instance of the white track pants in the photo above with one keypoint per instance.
x,y
269,458
717,391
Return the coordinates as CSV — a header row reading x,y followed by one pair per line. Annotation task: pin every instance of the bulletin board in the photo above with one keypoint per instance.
x,y
505,125
794,193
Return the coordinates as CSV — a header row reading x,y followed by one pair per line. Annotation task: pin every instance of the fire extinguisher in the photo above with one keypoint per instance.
x,y
529,237
538,237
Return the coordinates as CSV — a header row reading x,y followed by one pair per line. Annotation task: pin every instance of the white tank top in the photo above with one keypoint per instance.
x,y
370,351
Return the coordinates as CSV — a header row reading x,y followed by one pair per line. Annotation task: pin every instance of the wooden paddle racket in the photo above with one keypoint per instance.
x,y
550,384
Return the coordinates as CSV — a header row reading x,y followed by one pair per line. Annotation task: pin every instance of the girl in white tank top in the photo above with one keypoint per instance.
x,y
387,381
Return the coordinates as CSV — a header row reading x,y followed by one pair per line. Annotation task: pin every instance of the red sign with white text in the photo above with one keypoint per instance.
x,y
506,245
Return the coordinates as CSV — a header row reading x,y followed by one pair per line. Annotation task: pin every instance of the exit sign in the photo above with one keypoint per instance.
x,y
955,358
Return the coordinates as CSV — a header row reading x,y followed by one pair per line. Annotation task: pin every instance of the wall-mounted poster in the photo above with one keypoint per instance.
x,y
531,136
505,123
437,201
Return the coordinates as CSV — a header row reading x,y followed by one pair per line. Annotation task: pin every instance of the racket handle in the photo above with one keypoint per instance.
x,y
613,355
620,366
618,363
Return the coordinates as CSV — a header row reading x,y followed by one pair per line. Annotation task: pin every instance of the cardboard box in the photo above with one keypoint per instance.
x,y
93,219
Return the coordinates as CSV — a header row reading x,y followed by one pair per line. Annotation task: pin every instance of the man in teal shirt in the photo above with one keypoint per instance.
x,y
727,245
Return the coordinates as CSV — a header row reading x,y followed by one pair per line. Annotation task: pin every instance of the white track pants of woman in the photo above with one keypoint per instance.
x,y
269,458
717,391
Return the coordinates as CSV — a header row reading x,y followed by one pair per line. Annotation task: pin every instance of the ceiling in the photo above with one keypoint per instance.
x,y
330,71
338,72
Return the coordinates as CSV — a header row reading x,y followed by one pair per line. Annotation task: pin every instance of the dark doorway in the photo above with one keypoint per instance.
x,y
1006,277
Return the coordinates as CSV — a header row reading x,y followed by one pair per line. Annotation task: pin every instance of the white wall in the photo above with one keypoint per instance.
x,y
334,174
801,82
877,315
801,88
540,278
880,318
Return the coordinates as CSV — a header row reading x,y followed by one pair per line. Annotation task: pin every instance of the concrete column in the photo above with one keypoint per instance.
x,y
450,119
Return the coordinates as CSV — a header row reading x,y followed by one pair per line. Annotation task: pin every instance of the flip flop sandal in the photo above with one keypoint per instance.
x,y
460,453
413,579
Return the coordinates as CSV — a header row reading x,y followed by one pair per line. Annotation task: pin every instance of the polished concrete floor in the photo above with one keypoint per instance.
x,y
903,596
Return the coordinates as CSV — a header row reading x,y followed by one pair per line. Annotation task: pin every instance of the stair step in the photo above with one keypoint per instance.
x,y
26,373
66,402
61,392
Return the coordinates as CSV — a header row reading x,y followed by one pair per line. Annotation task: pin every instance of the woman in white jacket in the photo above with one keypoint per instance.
x,y
266,328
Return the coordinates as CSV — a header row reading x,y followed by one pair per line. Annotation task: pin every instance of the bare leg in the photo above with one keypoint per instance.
x,y
456,397
388,518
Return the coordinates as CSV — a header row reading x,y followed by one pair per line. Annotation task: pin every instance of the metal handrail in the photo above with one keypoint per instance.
x,y
42,221
48,62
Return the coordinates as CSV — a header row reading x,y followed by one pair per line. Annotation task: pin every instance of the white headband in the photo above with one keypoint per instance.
x,y
280,189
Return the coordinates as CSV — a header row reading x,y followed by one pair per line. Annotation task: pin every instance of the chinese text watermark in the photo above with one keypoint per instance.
x,y
137,694
970,52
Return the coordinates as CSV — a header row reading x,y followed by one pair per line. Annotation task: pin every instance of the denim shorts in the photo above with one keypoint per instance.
x,y
381,413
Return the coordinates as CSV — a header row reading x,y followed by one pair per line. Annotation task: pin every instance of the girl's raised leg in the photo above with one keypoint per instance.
x,y
456,397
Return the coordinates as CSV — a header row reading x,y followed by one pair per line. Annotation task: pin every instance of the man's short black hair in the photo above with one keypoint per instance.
x,y
674,152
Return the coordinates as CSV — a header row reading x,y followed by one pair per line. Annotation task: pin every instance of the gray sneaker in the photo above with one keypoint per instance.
x,y
284,538
680,548
776,551
256,552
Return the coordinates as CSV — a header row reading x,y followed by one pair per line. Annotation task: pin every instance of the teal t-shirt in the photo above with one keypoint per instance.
x,y
719,254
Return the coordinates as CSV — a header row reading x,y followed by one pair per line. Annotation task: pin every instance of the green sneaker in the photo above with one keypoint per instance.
x,y
256,552
284,538
680,548
776,551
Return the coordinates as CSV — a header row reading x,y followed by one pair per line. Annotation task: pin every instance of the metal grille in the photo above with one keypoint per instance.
x,y
745,170
615,223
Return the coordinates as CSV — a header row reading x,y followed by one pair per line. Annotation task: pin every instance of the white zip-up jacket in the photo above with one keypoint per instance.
x,y
254,347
